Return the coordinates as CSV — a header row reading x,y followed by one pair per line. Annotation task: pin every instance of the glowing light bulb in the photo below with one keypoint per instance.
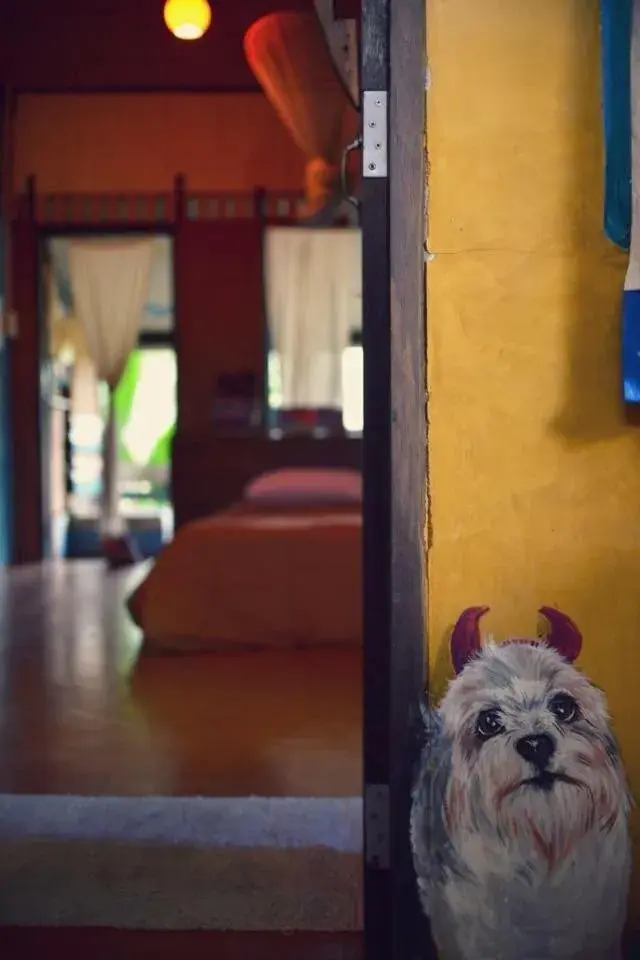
x,y
187,19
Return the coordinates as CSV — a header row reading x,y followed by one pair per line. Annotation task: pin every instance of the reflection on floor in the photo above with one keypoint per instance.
x,y
79,714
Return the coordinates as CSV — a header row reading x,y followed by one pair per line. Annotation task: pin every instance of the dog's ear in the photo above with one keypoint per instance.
x,y
465,637
563,635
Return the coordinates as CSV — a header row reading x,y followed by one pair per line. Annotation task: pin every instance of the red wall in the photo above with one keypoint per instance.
x,y
81,143
124,44
220,306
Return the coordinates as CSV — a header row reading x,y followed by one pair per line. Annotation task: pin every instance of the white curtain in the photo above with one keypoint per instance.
x,y
110,282
313,281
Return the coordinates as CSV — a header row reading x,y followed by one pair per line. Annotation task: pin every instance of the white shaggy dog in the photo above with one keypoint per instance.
x,y
519,816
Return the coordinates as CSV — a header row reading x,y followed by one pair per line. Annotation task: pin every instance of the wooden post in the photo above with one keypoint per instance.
x,y
30,195
261,214
179,197
260,203
8,100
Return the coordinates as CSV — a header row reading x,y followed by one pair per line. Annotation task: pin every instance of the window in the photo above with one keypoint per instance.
x,y
313,280
352,381
146,408
353,387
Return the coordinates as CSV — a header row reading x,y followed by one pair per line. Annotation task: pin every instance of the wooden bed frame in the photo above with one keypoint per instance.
x,y
209,474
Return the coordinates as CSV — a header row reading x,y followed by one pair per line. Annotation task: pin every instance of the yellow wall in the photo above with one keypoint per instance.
x,y
534,473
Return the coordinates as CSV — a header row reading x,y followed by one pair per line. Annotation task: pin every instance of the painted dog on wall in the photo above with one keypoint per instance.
x,y
519,816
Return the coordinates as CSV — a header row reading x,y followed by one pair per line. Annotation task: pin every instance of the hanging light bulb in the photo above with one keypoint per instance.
x,y
187,19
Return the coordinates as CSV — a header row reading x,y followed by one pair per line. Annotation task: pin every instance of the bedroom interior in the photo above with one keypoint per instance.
x,y
243,489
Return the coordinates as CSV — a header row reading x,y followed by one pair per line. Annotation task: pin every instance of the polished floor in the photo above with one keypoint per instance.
x,y
82,713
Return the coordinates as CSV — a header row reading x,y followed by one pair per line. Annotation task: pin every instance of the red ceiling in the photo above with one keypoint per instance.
x,y
48,45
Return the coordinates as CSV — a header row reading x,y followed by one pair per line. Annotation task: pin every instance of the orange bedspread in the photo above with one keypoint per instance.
x,y
255,577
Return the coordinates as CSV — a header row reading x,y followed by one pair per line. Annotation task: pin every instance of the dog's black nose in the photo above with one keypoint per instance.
x,y
536,749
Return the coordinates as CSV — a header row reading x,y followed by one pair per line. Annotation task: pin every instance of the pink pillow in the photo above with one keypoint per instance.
x,y
303,485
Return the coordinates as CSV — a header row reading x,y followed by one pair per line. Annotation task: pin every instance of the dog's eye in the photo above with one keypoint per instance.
x,y
564,708
489,724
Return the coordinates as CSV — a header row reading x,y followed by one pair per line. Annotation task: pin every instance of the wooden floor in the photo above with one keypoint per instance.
x,y
81,713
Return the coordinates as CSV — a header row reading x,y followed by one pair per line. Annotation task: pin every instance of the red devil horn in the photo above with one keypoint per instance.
x,y
465,639
563,634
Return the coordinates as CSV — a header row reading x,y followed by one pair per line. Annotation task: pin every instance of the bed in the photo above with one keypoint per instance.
x,y
282,567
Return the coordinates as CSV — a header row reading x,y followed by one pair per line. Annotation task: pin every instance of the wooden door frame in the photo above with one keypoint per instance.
x,y
395,475
7,124
25,395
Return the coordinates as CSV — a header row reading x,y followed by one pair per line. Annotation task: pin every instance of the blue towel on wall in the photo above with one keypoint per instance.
x,y
631,298
615,24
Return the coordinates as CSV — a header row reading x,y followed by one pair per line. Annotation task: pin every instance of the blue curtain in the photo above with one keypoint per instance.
x,y
615,24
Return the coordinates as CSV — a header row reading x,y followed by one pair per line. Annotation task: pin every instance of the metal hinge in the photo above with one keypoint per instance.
x,y
374,133
376,825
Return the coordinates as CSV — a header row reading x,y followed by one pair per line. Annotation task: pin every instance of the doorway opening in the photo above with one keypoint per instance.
x,y
75,408
214,231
